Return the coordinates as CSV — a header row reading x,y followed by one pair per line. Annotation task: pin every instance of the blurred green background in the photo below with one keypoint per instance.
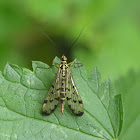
x,y
110,39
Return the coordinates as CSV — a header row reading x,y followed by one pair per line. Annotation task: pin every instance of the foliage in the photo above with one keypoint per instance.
x,y
110,41
22,93
128,87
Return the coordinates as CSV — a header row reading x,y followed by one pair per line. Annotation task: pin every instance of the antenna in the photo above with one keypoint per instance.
x,y
51,41
78,36
60,52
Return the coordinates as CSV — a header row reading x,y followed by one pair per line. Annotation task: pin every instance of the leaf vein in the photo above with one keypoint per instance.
x,y
102,104
52,123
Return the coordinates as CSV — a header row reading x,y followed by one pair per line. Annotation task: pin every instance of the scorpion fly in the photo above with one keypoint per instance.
x,y
63,88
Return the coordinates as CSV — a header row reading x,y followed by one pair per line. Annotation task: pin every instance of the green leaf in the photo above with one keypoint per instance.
x,y
22,93
129,87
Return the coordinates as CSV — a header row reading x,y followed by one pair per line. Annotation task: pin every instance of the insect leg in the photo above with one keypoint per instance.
x,y
55,64
75,65
41,68
70,63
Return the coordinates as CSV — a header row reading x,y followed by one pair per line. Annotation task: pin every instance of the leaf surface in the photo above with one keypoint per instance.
x,y
129,87
22,93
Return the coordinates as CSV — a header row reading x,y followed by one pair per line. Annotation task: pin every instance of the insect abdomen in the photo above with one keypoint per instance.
x,y
63,87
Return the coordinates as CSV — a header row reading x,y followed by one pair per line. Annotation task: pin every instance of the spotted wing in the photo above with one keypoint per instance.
x,y
73,97
52,99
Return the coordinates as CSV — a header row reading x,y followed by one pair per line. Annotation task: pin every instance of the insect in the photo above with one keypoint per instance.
x,y
63,88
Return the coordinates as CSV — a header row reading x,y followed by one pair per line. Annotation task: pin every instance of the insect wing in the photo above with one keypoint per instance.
x,y
52,99
73,97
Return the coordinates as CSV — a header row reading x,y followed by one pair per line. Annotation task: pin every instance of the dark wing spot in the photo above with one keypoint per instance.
x,y
68,98
73,86
45,113
45,101
57,89
51,100
72,111
69,106
74,101
54,108
57,99
52,86
79,114
68,89
80,102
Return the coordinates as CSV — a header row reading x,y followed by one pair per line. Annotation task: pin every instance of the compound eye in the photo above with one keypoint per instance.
x,y
64,58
